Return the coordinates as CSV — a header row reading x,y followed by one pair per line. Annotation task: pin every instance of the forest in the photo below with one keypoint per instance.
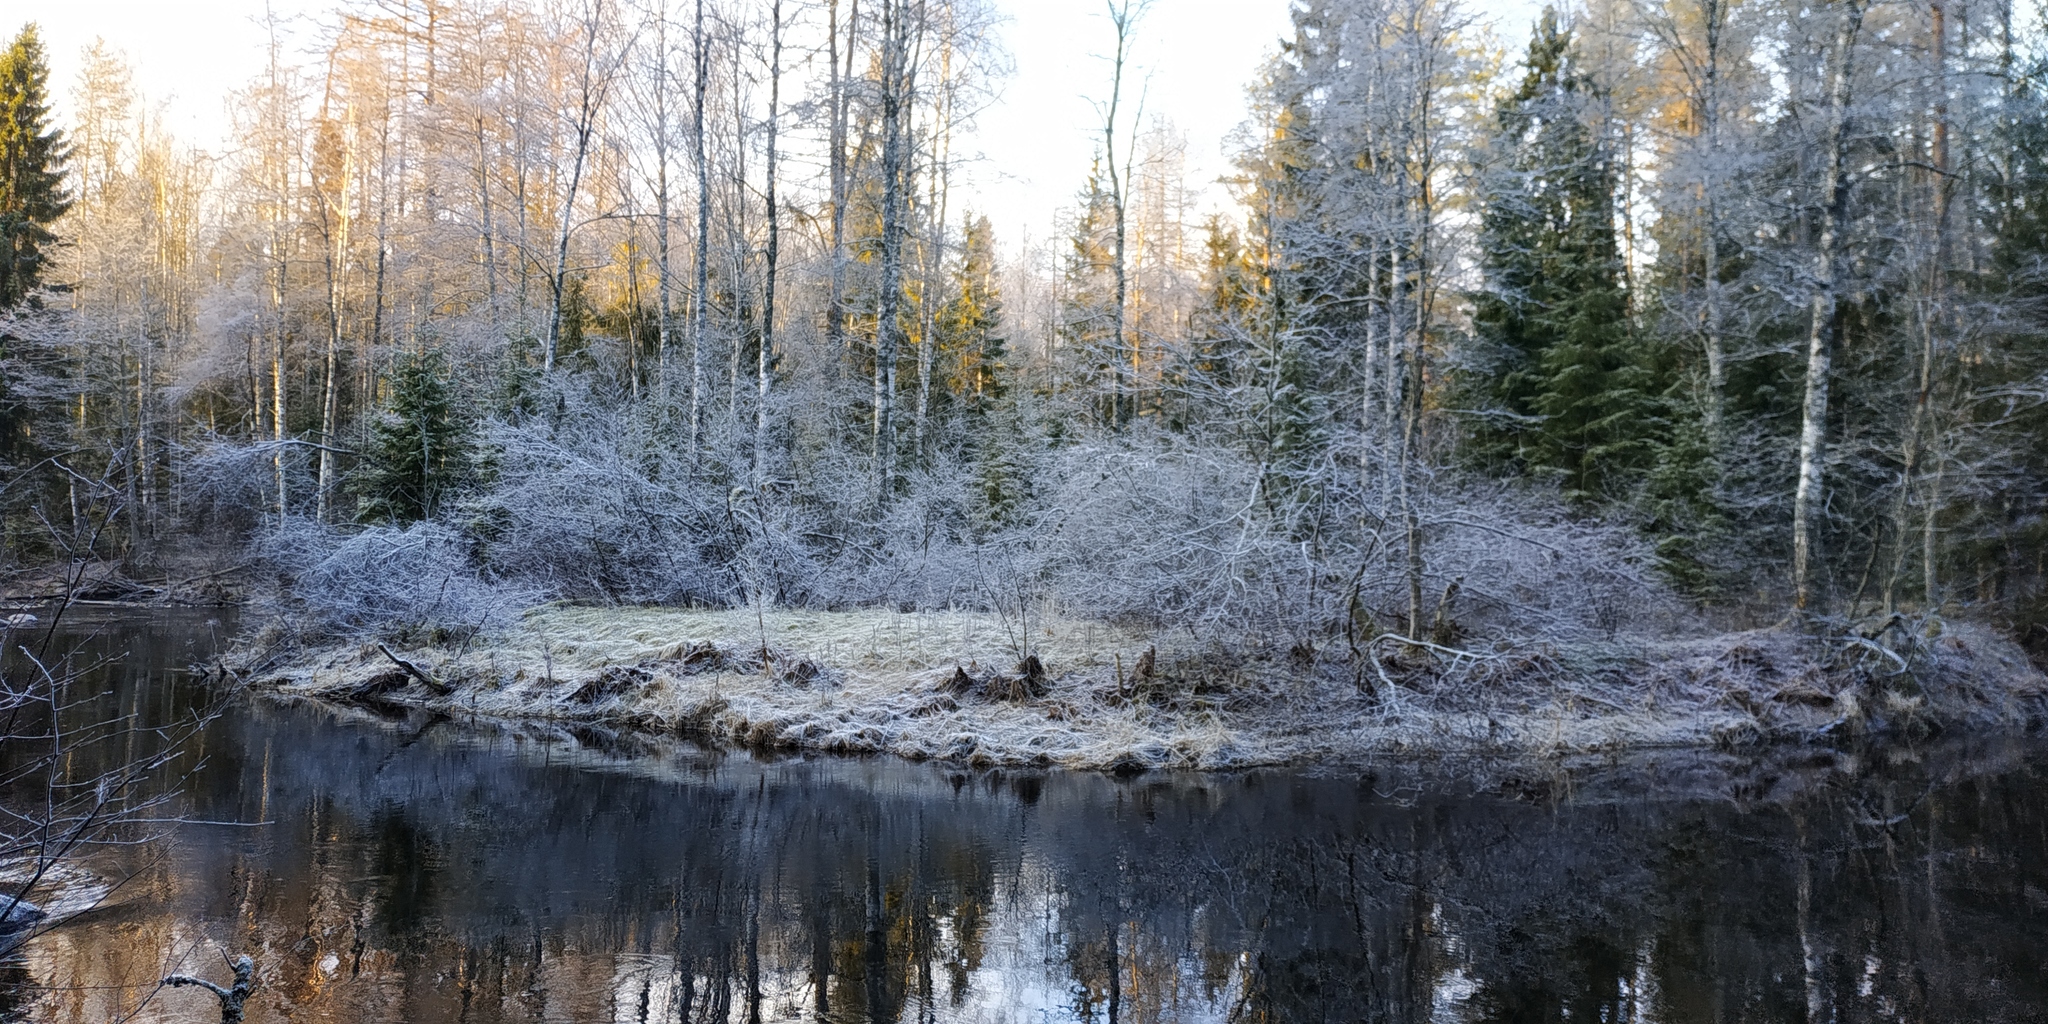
x,y
1652,318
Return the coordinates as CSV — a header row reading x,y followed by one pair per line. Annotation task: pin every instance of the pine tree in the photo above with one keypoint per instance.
x,y
420,449
1567,395
32,158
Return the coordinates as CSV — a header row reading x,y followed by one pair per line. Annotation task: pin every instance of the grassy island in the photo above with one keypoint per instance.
x,y
983,690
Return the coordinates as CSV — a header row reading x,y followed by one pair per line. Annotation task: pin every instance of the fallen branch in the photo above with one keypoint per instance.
x,y
1872,645
416,672
1439,648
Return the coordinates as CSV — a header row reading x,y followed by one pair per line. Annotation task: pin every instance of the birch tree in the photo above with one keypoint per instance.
x,y
1832,198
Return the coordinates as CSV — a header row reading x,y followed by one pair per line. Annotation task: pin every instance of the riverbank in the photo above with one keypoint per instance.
x,y
196,582
951,686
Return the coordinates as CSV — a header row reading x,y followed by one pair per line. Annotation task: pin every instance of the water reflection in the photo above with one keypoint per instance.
x,y
421,869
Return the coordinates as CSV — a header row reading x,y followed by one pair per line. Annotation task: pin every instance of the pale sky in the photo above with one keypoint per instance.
x,y
1192,60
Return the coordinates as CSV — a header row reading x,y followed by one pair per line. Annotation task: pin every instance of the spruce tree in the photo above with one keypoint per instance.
x,y
1567,395
32,157
1279,423
971,339
1088,299
1230,292
2017,277
1251,356
420,449
976,356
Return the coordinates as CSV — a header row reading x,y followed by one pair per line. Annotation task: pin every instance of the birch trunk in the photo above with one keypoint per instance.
x,y
336,257
1123,397
489,230
1820,339
888,333
935,257
835,313
664,278
1717,365
765,356
700,322
330,397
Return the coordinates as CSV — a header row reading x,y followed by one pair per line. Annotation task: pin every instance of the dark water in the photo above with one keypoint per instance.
x,y
429,870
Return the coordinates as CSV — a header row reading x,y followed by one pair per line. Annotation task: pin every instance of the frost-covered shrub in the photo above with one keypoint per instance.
x,y
590,503
1204,537
419,581
1175,536
918,552
1529,569
588,496
231,487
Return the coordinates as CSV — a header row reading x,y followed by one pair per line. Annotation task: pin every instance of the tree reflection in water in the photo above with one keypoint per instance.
x,y
426,870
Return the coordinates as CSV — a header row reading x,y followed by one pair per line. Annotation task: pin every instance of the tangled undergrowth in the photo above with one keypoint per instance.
x,y
983,689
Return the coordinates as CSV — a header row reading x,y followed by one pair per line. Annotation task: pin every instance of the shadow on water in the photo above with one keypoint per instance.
x,y
424,870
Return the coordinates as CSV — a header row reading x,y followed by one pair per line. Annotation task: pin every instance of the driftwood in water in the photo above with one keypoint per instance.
x,y
233,997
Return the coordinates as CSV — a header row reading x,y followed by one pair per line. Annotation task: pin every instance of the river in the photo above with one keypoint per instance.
x,y
409,868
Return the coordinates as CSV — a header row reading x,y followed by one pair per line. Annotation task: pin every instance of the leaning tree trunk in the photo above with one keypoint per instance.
x,y
590,99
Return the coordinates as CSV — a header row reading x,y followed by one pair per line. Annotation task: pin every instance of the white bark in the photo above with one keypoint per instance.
x,y
1810,495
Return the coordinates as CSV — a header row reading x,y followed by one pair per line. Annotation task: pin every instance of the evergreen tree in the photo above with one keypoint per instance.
x,y
2019,247
1230,292
1002,466
976,354
1088,298
970,324
420,449
1251,357
32,158
2017,277
1567,394
1279,422
32,197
